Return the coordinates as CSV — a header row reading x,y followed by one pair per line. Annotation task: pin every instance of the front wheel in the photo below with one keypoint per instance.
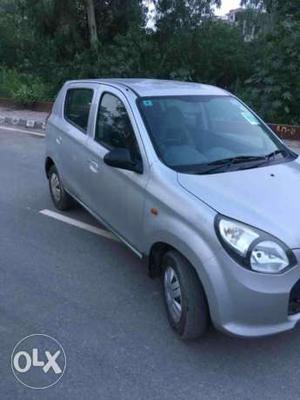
x,y
185,299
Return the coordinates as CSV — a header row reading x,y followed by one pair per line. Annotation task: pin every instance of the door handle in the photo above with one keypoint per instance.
x,y
58,140
93,166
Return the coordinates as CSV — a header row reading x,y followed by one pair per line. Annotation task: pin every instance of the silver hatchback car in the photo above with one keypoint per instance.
x,y
189,178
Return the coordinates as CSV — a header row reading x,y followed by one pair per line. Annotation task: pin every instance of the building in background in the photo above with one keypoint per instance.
x,y
249,20
233,15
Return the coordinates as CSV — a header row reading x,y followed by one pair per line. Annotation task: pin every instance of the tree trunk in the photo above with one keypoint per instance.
x,y
92,23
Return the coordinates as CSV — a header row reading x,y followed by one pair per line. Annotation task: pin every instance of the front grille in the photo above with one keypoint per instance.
x,y
294,302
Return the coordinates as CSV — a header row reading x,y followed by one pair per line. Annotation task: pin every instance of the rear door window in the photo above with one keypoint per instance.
x,y
77,107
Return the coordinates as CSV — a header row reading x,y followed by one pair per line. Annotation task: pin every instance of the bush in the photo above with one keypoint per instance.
x,y
22,88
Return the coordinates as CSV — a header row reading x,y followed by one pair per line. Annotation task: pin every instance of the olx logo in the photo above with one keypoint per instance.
x,y
38,361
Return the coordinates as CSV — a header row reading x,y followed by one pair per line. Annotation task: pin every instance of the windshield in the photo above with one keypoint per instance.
x,y
194,133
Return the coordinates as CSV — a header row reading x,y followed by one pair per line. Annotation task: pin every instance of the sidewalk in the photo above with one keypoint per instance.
x,y
22,117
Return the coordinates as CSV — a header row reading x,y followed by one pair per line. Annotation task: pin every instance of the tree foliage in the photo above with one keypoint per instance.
x,y
45,42
274,87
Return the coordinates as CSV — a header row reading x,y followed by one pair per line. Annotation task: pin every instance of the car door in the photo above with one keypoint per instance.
x,y
116,195
73,138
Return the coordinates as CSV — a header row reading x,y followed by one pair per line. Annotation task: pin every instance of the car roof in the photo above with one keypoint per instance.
x,y
159,87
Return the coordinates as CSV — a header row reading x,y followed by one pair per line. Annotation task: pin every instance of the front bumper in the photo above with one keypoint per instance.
x,y
249,304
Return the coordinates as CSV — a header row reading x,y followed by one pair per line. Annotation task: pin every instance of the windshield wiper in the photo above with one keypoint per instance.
x,y
227,163
275,153
237,160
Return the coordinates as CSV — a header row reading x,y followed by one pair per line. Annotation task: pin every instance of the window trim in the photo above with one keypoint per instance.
x,y
82,130
97,115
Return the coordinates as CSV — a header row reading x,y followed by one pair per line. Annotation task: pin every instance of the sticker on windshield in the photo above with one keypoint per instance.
x,y
250,118
147,103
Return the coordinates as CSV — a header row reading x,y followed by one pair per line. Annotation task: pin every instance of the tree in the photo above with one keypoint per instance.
x,y
117,17
274,88
182,14
92,23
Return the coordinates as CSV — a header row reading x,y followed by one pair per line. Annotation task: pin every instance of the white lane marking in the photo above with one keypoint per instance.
x,y
7,128
78,224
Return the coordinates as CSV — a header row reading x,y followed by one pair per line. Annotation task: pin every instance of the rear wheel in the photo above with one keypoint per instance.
x,y
61,199
185,299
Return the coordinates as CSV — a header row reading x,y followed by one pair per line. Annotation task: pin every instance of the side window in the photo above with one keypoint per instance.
x,y
114,129
77,107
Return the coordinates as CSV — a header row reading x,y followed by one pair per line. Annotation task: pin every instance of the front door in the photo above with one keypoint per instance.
x,y
115,195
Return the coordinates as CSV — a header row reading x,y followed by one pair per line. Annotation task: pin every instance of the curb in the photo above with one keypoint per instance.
x,y
42,106
24,123
286,132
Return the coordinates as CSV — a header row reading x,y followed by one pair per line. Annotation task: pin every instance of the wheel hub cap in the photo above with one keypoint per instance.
x,y
173,293
55,187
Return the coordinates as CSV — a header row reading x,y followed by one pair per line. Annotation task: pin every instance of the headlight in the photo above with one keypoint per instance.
x,y
252,248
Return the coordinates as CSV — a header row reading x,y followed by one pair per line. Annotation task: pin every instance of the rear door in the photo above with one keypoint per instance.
x,y
78,101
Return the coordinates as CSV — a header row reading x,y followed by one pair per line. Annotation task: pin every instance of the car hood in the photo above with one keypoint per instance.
x,y
266,197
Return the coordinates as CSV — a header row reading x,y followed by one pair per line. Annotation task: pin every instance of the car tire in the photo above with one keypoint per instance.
x,y
61,199
184,297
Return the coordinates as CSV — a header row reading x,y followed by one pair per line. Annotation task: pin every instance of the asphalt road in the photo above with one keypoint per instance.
x,y
94,296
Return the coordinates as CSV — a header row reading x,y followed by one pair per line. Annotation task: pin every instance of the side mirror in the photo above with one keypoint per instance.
x,y
121,158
